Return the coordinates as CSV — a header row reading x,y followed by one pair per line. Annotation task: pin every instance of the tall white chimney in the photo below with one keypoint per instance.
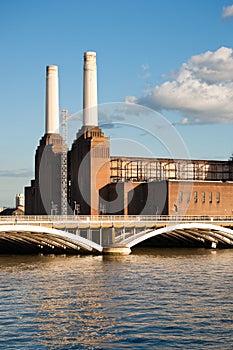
x,y
52,100
90,107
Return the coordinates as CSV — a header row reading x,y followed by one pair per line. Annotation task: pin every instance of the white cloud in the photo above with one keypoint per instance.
x,y
145,66
201,90
227,12
16,173
145,71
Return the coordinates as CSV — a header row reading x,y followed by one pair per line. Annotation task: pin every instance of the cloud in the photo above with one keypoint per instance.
x,y
145,71
145,66
16,173
201,90
227,11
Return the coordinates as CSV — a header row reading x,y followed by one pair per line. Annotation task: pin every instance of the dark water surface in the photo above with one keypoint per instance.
x,y
152,299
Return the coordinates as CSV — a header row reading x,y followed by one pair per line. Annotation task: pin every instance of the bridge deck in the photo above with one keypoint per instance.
x,y
112,220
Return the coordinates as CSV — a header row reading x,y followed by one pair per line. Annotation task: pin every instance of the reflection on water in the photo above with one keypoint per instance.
x,y
160,298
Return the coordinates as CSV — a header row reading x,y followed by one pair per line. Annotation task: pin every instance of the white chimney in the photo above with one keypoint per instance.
x,y
52,100
90,108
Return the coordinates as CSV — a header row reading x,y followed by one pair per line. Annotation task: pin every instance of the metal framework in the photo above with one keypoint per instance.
x,y
148,169
64,113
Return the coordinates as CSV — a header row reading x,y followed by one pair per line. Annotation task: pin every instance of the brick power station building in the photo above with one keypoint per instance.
x,y
98,184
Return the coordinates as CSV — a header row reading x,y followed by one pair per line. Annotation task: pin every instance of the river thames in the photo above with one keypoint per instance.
x,y
151,299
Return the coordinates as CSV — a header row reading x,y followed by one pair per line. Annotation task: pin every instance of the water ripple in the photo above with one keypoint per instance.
x,y
153,299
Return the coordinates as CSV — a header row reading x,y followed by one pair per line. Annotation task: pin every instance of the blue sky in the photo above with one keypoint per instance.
x,y
171,55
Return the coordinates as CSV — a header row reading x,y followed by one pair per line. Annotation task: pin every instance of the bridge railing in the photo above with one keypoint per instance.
x,y
111,218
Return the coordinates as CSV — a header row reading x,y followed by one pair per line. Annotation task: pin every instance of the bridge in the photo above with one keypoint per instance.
x,y
111,234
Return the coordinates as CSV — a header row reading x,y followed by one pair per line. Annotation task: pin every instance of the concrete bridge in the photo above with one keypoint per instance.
x,y
110,234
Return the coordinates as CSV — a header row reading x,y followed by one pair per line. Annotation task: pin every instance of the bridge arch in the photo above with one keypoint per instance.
x,y
201,232
45,237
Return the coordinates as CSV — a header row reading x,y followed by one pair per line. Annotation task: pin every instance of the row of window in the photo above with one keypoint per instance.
x,y
203,197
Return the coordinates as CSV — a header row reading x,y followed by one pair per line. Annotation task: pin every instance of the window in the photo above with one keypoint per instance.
x,y
210,197
203,197
195,197
180,196
188,197
218,197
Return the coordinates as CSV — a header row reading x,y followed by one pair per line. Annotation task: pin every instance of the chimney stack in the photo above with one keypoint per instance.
x,y
90,107
52,101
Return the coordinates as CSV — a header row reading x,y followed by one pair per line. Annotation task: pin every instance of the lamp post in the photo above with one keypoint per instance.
x,y
53,208
76,208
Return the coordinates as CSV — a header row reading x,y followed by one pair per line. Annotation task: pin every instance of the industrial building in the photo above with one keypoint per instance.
x,y
86,180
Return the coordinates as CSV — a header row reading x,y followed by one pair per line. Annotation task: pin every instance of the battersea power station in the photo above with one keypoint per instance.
x,y
87,180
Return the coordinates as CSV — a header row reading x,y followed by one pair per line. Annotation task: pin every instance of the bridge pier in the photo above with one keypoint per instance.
x,y
116,250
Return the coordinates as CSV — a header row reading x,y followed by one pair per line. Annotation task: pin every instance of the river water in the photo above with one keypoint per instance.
x,y
151,299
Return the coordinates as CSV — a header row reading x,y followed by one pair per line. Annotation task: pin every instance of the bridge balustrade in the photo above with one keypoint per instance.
x,y
111,218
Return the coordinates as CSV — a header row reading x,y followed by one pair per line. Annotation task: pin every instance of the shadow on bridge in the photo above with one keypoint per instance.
x,y
24,239
183,235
